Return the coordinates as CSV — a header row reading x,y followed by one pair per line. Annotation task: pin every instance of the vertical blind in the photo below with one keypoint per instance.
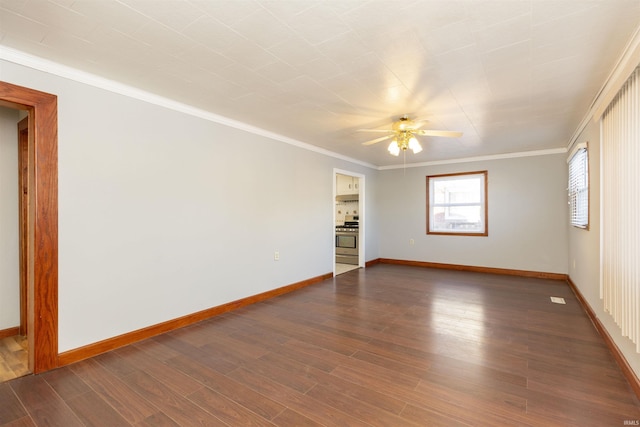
x,y
620,209
579,187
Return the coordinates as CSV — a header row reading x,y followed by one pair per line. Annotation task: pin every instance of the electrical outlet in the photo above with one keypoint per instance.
x,y
411,241
276,256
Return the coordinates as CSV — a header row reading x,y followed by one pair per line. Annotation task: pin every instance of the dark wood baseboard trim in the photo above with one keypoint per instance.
x,y
627,371
100,347
475,269
9,332
372,262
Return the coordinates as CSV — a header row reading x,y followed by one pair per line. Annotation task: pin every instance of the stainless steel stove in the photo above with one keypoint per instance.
x,y
347,240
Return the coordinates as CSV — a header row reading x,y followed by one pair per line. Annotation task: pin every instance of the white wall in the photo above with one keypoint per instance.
x,y
162,214
9,243
584,250
527,216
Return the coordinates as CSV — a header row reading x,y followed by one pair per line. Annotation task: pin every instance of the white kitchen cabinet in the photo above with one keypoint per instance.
x,y
346,184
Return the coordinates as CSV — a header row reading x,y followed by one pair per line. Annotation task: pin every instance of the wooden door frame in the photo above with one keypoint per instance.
x,y
42,294
23,223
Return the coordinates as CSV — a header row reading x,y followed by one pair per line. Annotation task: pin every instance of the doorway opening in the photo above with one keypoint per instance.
x,y
348,216
14,360
39,318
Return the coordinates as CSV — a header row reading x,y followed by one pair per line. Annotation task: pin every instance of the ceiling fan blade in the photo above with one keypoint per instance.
x,y
417,124
374,130
445,133
374,141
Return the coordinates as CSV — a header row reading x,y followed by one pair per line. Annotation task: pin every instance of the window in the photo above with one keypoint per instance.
x,y
457,204
579,186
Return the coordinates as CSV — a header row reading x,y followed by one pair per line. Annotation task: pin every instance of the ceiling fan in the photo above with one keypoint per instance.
x,y
404,133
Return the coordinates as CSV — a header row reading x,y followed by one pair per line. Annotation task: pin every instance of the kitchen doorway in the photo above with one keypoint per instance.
x,y
349,220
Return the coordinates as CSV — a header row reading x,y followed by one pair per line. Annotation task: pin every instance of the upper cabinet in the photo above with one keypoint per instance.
x,y
346,185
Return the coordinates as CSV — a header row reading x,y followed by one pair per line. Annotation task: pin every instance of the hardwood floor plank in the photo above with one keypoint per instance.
x,y
157,420
367,395
156,349
313,352
303,333
11,409
278,344
21,422
42,403
335,383
217,364
292,418
425,417
226,409
491,395
172,378
607,376
66,383
200,334
94,411
581,392
368,374
443,367
578,412
234,350
300,383
254,401
468,408
177,407
305,405
357,408
130,405
418,370
116,364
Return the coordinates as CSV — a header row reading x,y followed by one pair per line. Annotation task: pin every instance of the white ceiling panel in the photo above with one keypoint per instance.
x,y
19,27
111,14
512,75
175,15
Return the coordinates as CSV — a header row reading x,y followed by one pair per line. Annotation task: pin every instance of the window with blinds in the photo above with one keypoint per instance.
x,y
579,186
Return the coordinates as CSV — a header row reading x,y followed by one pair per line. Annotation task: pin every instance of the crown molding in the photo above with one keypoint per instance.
x,y
50,67
479,158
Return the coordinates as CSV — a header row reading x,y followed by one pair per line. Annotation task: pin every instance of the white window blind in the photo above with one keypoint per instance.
x,y
579,186
620,208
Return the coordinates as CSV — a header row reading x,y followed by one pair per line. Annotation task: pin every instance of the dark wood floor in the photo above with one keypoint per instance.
x,y
384,346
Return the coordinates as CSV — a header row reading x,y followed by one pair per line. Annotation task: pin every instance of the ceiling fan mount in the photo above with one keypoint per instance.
x,y
403,135
403,124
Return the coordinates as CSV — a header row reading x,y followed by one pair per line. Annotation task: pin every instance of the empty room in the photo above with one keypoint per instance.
x,y
319,212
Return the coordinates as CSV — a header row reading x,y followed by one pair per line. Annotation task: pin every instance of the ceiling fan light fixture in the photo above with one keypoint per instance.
x,y
394,149
414,145
403,134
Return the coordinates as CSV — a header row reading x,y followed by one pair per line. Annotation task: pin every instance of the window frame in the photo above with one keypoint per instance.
x,y
577,186
484,203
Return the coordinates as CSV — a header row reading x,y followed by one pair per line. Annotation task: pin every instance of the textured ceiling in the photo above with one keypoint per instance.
x,y
512,75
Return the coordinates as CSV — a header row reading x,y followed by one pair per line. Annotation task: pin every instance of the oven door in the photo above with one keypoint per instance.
x,y
346,243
